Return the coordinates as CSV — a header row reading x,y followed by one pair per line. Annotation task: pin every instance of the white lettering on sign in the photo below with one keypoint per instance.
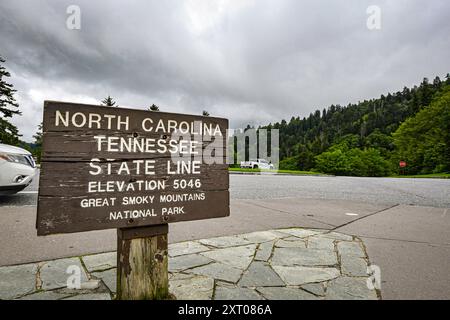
x,y
137,200
172,210
183,167
115,173
97,202
124,168
117,122
122,186
79,120
182,197
146,145
182,127
132,214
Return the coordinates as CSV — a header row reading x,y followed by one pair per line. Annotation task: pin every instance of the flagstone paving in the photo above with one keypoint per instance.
x,y
188,261
294,263
264,251
99,262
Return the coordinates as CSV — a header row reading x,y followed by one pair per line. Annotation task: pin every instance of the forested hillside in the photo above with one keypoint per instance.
x,y
370,137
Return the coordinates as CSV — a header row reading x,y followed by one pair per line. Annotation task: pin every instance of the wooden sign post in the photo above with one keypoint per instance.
x,y
142,263
133,170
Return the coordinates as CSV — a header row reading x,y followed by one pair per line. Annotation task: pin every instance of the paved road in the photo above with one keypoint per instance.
x,y
423,192
403,222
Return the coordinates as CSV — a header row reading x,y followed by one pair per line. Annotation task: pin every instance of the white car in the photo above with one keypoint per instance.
x,y
257,164
17,169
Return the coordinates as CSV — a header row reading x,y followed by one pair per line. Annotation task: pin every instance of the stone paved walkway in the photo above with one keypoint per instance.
x,y
290,263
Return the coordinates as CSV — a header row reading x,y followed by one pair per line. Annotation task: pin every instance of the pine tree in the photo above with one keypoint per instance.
x,y
205,113
153,107
38,136
109,102
437,82
9,133
426,92
38,143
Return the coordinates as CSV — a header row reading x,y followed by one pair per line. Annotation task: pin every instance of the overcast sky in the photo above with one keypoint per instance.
x,y
252,61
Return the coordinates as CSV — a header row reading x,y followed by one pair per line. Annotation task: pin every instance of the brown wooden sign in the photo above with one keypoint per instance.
x,y
108,167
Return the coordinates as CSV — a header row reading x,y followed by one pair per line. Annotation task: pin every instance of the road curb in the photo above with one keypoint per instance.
x,y
279,174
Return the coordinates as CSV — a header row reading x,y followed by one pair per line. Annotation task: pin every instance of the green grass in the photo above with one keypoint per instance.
x,y
303,173
431,175
277,171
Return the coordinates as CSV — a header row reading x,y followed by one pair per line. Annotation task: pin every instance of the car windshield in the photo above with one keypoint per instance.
x,y
262,161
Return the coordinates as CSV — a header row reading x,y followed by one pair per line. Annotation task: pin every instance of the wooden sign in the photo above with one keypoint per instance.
x,y
108,167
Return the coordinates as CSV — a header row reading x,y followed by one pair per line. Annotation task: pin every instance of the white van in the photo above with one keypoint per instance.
x,y
17,169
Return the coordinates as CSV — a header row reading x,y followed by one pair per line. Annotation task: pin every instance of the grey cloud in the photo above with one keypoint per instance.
x,y
256,61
